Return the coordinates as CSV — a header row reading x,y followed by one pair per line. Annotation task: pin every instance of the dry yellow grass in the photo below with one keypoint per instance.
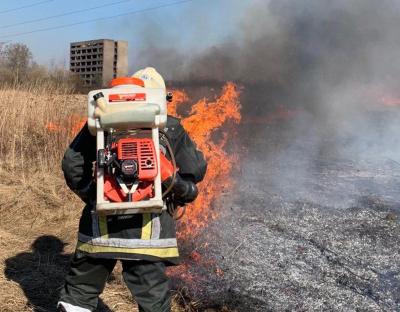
x,y
36,204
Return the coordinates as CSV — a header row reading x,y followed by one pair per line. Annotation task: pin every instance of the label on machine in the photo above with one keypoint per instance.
x,y
127,97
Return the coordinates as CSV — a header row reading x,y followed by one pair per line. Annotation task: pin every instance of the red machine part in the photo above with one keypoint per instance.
x,y
143,152
126,81
167,169
114,193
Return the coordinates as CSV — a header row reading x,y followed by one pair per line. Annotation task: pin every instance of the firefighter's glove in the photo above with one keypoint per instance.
x,y
87,193
184,191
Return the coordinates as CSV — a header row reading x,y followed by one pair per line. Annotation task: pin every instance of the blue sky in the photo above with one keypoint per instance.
x,y
196,24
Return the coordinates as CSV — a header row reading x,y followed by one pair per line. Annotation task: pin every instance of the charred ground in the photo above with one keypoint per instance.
x,y
313,222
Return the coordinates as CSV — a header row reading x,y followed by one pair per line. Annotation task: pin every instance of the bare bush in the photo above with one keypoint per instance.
x,y
16,61
17,67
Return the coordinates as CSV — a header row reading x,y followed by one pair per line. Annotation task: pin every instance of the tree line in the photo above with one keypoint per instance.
x,y
17,67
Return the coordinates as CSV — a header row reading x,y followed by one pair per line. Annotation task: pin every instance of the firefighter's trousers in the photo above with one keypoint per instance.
x,y
87,277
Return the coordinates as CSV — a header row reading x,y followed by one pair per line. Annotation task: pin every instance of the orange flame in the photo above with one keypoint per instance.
x,y
205,119
390,101
71,126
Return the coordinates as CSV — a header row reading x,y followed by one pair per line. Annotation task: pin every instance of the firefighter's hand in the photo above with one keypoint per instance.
x,y
184,191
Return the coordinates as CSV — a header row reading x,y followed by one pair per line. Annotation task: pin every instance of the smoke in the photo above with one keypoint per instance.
x,y
331,60
314,126
317,54
281,42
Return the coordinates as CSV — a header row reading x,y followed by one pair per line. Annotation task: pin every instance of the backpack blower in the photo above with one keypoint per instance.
x,y
127,119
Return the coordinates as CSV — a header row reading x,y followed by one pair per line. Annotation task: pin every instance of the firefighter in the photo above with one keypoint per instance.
x,y
144,243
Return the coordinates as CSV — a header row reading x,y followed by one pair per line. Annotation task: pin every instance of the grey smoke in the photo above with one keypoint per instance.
x,y
276,41
321,180
331,58
325,56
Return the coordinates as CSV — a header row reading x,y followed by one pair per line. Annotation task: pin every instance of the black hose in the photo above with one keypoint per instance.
x,y
171,153
168,190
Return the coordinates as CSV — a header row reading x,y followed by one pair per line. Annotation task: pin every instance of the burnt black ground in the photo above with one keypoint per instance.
x,y
313,224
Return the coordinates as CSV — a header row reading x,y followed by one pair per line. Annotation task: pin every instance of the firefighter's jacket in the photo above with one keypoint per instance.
x,y
146,236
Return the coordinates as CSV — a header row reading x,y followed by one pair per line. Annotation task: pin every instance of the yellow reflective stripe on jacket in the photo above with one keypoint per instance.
x,y
146,226
103,227
170,252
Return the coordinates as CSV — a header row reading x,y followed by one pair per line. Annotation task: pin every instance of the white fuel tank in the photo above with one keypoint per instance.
x,y
128,105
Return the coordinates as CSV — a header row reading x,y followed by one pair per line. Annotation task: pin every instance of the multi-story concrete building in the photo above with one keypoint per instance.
x,y
98,61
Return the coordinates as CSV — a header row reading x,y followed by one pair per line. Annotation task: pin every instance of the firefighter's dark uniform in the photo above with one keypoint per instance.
x,y
145,243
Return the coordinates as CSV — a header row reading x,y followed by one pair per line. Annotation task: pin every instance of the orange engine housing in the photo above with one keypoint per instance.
x,y
143,152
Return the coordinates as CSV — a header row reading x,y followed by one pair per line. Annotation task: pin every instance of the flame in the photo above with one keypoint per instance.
x,y
204,120
71,126
390,101
378,94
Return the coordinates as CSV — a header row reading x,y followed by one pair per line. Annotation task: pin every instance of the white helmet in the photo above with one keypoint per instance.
x,y
151,78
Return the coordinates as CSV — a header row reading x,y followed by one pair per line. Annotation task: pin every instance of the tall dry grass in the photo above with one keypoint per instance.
x,y
35,123
34,200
